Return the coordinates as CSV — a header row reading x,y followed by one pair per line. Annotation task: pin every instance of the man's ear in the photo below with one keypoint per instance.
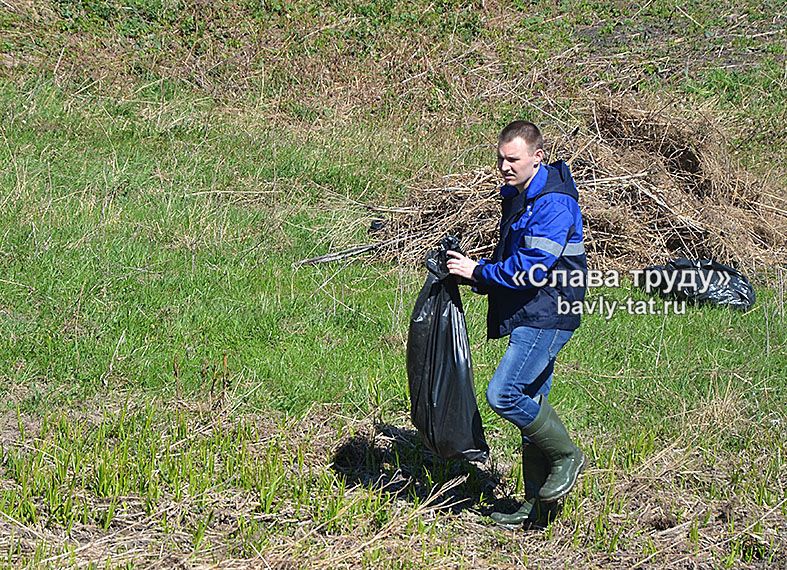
x,y
539,154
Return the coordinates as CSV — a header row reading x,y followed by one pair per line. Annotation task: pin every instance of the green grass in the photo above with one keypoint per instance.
x,y
152,319
173,386
139,244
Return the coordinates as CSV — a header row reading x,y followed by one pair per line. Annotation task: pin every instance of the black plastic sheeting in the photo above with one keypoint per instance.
x,y
443,406
726,285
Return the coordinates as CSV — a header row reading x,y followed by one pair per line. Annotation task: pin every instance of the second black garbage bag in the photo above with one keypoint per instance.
x,y
703,281
443,405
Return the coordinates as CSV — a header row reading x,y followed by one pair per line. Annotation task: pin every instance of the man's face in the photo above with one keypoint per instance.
x,y
516,163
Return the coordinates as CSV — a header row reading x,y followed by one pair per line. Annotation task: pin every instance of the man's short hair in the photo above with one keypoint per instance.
x,y
525,130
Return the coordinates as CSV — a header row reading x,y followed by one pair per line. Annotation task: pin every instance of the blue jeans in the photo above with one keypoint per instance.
x,y
525,372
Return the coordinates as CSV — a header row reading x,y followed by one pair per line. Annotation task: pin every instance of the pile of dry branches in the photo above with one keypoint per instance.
x,y
654,184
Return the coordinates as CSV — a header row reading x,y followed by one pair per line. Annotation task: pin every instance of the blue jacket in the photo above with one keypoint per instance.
x,y
542,225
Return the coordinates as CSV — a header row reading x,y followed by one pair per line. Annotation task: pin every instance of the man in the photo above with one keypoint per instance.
x,y
540,238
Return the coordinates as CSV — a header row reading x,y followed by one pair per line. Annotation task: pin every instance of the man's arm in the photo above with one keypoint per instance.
x,y
550,227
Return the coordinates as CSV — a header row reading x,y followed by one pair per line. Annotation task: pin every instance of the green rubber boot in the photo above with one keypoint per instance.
x,y
534,471
513,520
538,472
565,459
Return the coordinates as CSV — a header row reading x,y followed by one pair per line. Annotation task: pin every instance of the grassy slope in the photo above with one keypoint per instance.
x,y
150,222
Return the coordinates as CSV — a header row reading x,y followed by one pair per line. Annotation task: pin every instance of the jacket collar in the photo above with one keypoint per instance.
x,y
537,184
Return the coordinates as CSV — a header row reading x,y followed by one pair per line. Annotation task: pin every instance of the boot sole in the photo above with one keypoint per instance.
x,y
571,486
505,526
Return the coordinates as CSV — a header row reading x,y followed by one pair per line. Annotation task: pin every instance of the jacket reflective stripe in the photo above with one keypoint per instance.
x,y
544,244
553,247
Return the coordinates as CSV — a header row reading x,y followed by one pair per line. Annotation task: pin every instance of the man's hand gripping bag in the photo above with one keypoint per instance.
x,y
442,396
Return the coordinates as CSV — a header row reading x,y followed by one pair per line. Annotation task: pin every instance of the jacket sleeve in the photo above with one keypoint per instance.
x,y
551,225
476,286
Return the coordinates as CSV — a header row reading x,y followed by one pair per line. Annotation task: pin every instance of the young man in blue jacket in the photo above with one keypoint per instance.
x,y
540,239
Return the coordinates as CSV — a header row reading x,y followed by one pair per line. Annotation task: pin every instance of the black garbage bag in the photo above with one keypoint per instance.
x,y
700,281
442,396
